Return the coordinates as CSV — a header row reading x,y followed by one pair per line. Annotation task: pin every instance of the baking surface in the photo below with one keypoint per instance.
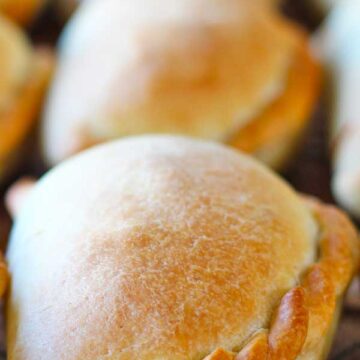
x,y
309,173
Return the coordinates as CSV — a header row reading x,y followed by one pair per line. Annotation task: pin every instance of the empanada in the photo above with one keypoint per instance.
x,y
233,71
170,248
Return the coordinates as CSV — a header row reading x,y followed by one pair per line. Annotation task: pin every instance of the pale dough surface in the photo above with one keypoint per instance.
x,y
153,248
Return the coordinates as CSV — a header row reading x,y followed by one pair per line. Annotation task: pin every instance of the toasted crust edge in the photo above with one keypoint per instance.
x,y
274,135
304,320
302,325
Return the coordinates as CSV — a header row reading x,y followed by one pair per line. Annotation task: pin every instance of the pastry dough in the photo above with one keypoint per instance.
x,y
208,69
339,41
162,247
24,74
22,11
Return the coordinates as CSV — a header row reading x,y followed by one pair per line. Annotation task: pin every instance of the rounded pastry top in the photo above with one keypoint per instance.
x,y
15,62
201,68
155,247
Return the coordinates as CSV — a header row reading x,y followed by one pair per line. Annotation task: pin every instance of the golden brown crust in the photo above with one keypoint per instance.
x,y
286,118
205,77
327,280
220,354
288,330
200,205
223,236
18,121
257,348
304,319
22,11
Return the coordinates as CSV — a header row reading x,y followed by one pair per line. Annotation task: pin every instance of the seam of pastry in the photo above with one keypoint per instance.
x,y
310,306
306,311
274,94
282,86
284,118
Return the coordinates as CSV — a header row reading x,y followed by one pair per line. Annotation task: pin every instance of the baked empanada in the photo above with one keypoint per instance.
x,y
175,249
233,71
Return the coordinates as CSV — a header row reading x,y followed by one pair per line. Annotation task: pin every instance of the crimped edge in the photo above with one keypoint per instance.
x,y
274,134
304,320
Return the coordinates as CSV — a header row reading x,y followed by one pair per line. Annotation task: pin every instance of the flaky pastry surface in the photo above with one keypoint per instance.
x,y
175,249
274,134
304,323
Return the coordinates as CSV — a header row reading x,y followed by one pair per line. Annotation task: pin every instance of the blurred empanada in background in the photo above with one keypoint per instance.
x,y
22,11
233,71
339,44
24,75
